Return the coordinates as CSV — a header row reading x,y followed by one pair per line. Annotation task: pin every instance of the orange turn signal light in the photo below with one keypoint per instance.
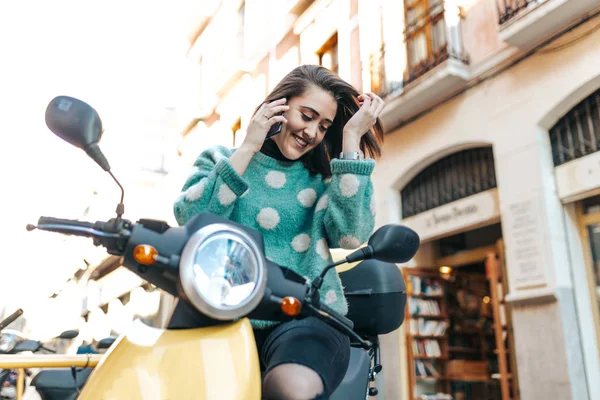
x,y
291,306
145,254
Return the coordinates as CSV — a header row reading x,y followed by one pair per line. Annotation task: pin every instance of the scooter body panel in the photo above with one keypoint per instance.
x,y
218,362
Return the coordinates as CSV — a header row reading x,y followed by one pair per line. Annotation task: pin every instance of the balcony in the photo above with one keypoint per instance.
x,y
525,23
436,65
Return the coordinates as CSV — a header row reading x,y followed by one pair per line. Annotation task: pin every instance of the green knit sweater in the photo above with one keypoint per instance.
x,y
301,216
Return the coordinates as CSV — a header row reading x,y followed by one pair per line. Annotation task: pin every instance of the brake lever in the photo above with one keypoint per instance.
x,y
327,317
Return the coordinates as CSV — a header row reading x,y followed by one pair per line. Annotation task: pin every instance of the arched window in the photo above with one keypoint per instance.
x,y
454,177
577,134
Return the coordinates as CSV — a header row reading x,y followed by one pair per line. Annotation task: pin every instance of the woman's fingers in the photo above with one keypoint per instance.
x,y
277,118
376,105
275,110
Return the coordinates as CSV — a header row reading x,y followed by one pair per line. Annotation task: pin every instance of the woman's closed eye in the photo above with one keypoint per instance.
x,y
308,119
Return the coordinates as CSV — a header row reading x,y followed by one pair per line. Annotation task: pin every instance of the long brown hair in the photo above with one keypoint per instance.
x,y
296,83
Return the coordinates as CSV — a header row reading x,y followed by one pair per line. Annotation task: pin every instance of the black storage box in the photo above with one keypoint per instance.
x,y
376,295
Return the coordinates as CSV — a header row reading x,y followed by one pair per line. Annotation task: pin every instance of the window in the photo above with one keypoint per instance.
x,y
328,54
454,177
425,36
577,134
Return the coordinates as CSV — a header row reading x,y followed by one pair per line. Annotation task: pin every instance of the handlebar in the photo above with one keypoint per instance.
x,y
120,237
74,227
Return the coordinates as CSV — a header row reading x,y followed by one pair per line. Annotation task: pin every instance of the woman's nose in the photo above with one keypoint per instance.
x,y
310,131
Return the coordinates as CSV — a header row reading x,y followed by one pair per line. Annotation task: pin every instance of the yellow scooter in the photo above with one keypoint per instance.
x,y
221,277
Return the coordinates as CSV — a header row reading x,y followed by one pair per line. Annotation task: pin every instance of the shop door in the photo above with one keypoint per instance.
x,y
590,224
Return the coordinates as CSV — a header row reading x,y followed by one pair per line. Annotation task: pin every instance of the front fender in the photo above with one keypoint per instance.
x,y
218,362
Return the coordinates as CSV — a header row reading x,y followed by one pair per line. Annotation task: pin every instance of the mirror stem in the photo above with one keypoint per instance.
x,y
121,205
364,253
93,150
319,279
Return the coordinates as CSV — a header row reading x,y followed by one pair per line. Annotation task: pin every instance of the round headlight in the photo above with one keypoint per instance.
x,y
222,272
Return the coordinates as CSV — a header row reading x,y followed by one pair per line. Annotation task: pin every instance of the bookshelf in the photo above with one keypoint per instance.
x,y
458,331
427,323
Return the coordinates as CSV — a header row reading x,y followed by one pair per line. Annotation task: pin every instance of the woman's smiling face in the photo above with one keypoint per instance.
x,y
308,118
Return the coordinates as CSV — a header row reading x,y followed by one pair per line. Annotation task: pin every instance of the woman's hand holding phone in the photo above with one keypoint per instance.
x,y
264,124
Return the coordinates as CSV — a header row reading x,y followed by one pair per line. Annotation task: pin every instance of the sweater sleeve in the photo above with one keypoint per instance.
x,y
214,186
350,215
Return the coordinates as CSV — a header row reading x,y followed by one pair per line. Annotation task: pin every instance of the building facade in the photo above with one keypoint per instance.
x,y
491,154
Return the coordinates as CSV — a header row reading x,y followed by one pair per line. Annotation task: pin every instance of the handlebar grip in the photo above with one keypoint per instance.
x,y
62,221
10,319
69,227
337,316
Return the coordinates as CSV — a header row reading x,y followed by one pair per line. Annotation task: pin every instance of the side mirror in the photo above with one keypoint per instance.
x,y
105,343
77,123
390,243
394,243
70,334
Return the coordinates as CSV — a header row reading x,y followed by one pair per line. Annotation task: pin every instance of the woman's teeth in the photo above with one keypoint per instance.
x,y
300,141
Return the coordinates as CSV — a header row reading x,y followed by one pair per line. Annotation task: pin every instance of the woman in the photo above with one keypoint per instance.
x,y
307,189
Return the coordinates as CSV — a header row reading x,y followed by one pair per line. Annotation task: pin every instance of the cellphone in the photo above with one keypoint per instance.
x,y
275,129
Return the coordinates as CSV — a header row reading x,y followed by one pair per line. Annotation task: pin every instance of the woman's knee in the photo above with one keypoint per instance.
x,y
292,382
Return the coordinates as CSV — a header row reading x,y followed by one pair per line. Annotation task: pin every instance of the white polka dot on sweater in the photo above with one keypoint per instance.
x,y
330,297
307,197
275,179
322,249
349,184
301,242
322,203
373,206
194,192
349,242
226,195
268,218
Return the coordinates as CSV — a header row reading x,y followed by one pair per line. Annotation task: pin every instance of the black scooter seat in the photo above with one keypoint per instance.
x,y
58,384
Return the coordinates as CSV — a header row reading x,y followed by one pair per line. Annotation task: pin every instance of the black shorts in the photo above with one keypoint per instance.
x,y
309,342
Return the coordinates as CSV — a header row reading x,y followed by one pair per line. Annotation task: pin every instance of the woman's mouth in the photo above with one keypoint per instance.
x,y
300,142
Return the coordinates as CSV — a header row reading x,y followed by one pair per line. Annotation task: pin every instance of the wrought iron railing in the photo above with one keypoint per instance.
x,y
577,134
454,177
426,36
507,9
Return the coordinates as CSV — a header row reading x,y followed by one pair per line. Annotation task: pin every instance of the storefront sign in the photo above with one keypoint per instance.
x,y
477,210
524,243
578,178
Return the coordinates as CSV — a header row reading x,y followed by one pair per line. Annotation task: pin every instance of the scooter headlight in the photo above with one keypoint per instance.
x,y
222,272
